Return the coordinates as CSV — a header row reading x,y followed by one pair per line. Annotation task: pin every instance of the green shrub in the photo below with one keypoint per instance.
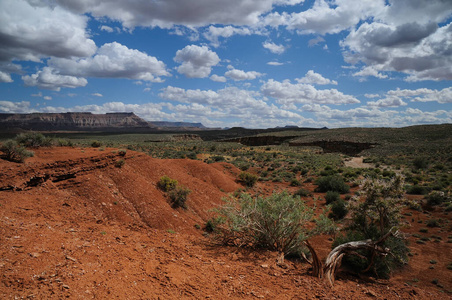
x,y
295,182
416,190
433,223
436,198
277,222
96,144
373,219
420,162
302,193
212,223
122,152
33,140
331,197
14,152
64,143
217,158
333,183
167,184
338,209
248,179
120,163
178,196
192,155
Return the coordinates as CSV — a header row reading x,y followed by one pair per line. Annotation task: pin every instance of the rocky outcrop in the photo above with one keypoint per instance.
x,y
260,140
345,147
72,121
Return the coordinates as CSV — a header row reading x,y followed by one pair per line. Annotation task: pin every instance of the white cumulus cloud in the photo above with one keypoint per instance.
x,y
274,48
217,78
239,75
114,60
213,33
49,78
196,61
287,93
312,77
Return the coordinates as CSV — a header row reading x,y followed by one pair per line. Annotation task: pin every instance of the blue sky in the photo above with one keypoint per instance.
x,y
250,63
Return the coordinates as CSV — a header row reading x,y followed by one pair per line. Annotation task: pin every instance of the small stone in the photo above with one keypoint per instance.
x,y
71,258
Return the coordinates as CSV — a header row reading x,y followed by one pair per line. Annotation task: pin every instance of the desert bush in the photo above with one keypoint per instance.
x,y
248,179
167,184
212,223
33,140
15,152
64,143
295,182
217,158
436,198
433,223
420,162
338,209
374,218
416,190
333,183
192,155
302,193
276,222
96,144
122,152
120,163
331,197
178,196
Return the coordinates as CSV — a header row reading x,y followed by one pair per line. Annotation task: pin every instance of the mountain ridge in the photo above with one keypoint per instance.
x,y
86,121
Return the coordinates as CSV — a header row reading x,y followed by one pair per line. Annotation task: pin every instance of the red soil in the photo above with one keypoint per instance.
x,y
72,225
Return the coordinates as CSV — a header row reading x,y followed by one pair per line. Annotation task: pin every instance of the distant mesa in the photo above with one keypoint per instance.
x,y
178,124
86,121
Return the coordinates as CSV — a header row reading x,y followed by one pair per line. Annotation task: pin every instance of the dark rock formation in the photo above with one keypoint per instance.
x,y
345,147
260,140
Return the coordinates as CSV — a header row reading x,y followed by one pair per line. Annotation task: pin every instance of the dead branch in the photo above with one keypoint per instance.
x,y
316,263
334,258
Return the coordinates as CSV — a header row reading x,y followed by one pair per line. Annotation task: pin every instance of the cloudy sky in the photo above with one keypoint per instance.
x,y
250,63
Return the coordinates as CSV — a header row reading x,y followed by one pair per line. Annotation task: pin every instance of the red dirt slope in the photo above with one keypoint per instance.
x,y
74,225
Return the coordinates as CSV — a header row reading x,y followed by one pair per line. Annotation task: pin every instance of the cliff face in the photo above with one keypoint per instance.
x,y
72,121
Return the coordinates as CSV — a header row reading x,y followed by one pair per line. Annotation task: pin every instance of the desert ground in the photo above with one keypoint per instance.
x,y
75,225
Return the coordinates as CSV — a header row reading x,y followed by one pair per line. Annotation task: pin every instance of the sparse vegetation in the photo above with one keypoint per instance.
x,y
120,163
277,222
33,140
15,152
302,193
178,196
248,179
331,197
333,183
377,219
436,198
96,144
167,184
338,209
